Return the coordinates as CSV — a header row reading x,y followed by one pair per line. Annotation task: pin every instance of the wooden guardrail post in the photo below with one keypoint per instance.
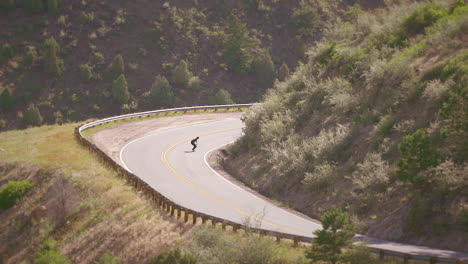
x,y
186,213
433,260
296,240
406,258
179,212
213,222
381,254
278,238
203,219
235,227
223,225
172,209
194,218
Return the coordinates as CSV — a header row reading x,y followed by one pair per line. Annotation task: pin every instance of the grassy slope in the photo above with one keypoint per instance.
x,y
329,135
102,213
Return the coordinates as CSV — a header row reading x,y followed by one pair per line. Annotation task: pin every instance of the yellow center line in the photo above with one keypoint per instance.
x,y
207,194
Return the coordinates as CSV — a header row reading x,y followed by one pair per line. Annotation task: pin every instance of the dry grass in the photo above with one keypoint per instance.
x,y
108,216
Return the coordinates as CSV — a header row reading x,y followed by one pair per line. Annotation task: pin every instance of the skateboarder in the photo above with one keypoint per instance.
x,y
194,142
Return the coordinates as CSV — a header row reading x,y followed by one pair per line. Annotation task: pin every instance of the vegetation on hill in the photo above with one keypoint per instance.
x,y
72,60
374,122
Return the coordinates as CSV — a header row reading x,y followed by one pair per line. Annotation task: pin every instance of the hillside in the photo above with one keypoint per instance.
x,y
72,60
375,123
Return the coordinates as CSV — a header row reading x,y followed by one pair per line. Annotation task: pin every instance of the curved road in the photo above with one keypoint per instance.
x,y
165,161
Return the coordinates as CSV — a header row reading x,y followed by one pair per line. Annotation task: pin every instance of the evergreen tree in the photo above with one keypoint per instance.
x,y
32,116
265,69
238,45
161,92
52,6
120,90
417,154
337,234
181,74
283,72
35,6
6,100
118,66
222,97
53,64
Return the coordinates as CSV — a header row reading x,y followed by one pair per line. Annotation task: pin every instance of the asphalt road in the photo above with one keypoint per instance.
x,y
165,161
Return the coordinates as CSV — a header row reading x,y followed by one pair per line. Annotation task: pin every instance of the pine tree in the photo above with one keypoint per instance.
x,y
283,72
118,65
6,100
265,69
337,234
52,6
120,90
32,116
181,74
238,45
161,92
53,64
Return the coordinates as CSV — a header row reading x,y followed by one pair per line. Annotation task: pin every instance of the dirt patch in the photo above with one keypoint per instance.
x,y
111,140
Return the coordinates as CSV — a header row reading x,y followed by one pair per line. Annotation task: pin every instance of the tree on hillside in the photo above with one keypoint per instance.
x,y
7,52
238,45
283,72
35,6
264,68
305,19
118,65
6,100
120,90
222,97
161,92
53,64
181,74
417,154
336,235
32,116
52,6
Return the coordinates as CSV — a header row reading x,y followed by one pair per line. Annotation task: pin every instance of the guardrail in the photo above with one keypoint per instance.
x,y
174,209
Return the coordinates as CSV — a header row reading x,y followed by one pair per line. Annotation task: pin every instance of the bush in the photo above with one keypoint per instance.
x,y
53,64
337,234
6,99
86,72
31,57
12,191
322,175
222,97
417,154
120,90
87,18
422,17
174,256
32,116
35,6
195,84
49,255
7,52
372,171
264,69
118,66
181,74
283,72
436,89
305,19
456,67
161,92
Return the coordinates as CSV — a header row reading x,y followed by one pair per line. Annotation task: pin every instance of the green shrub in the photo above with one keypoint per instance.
x,y
239,47
7,52
283,72
174,256
161,92
86,72
35,6
53,64
6,99
222,97
87,18
417,154
337,234
32,116
305,19
12,191
195,84
120,90
118,65
455,111
181,74
423,17
31,57
108,258
457,67
264,68
49,255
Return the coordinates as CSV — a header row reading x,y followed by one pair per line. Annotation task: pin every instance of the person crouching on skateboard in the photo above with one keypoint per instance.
x,y
194,142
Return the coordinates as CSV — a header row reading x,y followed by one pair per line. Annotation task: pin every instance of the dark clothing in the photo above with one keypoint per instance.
x,y
194,143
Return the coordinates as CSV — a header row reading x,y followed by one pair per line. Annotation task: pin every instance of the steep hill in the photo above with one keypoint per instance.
x,y
374,122
61,57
